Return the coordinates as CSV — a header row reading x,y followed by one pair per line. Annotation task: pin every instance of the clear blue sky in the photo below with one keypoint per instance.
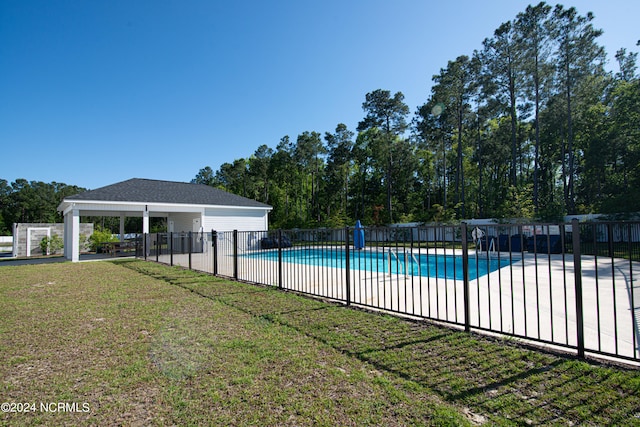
x,y
96,92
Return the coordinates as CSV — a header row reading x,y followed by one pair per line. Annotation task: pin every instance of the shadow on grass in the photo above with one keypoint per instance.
x,y
503,381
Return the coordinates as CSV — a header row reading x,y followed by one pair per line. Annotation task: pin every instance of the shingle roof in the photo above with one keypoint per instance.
x,y
154,191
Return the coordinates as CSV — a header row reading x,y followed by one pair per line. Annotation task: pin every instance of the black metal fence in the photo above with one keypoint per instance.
x,y
572,285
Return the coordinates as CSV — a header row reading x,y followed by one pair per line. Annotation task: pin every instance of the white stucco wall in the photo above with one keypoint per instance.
x,y
220,219
228,219
182,222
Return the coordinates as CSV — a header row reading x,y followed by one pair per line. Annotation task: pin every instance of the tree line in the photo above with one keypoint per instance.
x,y
31,201
531,125
25,201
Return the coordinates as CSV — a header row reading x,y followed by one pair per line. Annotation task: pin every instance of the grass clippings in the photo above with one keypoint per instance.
x,y
146,344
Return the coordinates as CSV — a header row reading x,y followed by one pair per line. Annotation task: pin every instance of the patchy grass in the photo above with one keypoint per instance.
x,y
491,380
146,344
138,350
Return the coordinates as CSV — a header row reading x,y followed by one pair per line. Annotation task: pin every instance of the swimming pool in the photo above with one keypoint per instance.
x,y
394,262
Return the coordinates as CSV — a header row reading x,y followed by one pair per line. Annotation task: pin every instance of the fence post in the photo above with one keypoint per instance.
x,y
144,245
157,247
347,266
577,271
280,258
465,278
170,245
214,243
235,254
190,247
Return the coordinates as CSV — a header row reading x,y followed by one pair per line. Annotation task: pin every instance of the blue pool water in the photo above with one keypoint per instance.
x,y
427,265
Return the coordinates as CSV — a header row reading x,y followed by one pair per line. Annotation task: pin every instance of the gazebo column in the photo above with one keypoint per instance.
x,y
75,235
72,235
66,236
145,229
122,217
145,221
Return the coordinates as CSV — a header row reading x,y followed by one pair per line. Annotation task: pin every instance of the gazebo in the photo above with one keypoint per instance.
x,y
186,206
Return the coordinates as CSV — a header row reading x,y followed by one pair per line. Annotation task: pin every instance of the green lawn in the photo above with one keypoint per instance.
x,y
136,343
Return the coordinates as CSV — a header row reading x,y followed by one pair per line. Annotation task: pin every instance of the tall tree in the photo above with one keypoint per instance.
x,y
483,111
434,132
284,175
625,143
339,145
403,177
367,177
205,176
259,172
389,115
233,177
500,58
452,94
578,57
533,38
627,62
309,152
426,181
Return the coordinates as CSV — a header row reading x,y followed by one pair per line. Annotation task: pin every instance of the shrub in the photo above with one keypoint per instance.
x,y
85,244
51,245
100,235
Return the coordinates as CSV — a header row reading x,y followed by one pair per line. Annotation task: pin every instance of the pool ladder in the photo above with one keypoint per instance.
x,y
404,264
490,249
